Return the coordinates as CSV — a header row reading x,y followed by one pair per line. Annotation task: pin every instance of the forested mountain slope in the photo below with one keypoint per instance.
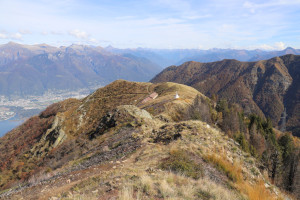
x,y
265,87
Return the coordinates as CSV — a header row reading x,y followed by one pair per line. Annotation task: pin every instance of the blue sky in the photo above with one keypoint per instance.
x,y
242,24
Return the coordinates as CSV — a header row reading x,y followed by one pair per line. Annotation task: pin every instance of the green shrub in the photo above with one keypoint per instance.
x,y
201,194
240,138
181,162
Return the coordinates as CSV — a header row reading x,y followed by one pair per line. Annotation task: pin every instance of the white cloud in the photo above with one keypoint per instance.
x,y
16,36
250,6
3,36
268,47
56,33
278,3
84,37
79,34
280,45
192,17
264,47
93,40
51,33
156,23
148,21
10,36
24,31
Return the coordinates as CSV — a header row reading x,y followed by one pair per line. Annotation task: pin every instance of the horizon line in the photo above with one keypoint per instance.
x,y
147,48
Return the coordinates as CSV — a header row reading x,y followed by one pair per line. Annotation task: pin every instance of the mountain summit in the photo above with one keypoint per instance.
x,y
265,87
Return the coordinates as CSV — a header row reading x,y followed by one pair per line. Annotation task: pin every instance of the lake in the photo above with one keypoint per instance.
x,y
8,125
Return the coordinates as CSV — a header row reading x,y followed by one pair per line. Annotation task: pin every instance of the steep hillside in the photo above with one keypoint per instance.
x,y
32,70
130,140
264,87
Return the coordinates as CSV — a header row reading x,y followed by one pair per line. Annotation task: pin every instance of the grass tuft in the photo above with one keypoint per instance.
x,y
257,191
180,162
126,193
232,171
201,194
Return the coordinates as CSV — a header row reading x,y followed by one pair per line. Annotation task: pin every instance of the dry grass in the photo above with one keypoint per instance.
x,y
166,190
147,184
167,185
257,191
126,193
232,171
136,181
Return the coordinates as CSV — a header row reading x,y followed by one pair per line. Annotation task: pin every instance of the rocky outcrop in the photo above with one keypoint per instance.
x,y
51,139
129,114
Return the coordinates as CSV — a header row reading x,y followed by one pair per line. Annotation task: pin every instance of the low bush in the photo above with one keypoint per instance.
x,y
181,162
201,194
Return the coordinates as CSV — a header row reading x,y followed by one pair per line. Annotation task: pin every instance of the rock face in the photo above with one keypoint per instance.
x,y
51,139
264,87
122,114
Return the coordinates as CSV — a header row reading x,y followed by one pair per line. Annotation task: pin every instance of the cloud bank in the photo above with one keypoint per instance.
x,y
270,24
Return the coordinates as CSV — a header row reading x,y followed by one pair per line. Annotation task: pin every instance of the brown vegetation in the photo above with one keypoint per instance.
x,y
264,87
107,145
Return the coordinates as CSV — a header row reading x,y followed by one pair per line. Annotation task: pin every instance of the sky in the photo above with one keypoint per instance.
x,y
163,24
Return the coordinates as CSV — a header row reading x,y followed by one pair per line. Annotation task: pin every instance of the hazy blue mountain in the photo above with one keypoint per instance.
x,y
28,70
168,57
34,69
12,51
271,54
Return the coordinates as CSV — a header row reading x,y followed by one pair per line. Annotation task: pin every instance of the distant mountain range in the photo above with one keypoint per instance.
x,y
265,87
167,57
34,69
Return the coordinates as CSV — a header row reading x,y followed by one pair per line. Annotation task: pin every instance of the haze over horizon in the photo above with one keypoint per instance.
x,y
268,25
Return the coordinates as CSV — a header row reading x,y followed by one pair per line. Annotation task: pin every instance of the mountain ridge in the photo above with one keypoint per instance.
x,y
167,57
123,136
258,86
32,70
